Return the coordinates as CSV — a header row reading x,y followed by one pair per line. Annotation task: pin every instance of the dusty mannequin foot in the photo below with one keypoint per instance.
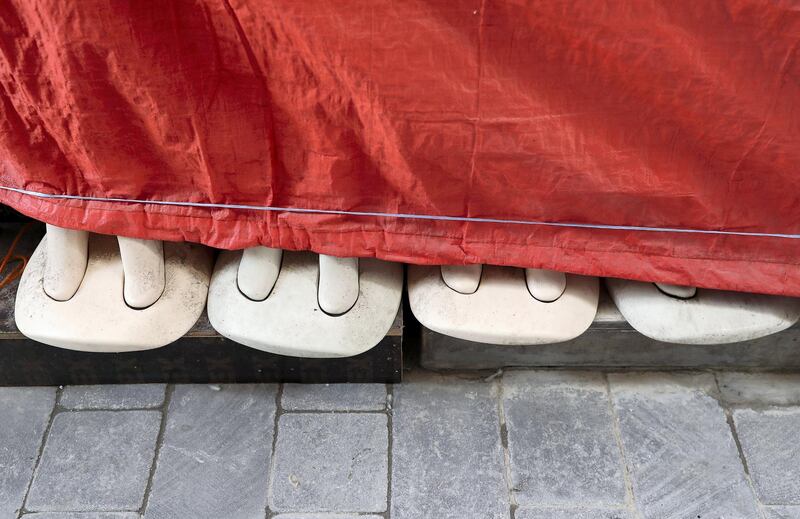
x,y
100,316
679,291
338,284
464,279
709,317
143,267
320,307
502,310
545,285
258,272
67,255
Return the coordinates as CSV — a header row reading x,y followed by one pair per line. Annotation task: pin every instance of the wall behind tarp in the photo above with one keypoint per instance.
x,y
625,121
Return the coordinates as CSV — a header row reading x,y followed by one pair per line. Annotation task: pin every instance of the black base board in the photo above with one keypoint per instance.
x,y
201,356
616,348
611,343
198,360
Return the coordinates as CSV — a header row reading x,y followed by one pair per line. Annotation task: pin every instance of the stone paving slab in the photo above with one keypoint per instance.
x,y
770,441
759,388
24,415
571,513
782,512
561,439
680,450
330,462
215,454
334,397
447,453
95,461
123,396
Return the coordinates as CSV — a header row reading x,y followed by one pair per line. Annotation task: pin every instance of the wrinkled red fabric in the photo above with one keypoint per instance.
x,y
663,114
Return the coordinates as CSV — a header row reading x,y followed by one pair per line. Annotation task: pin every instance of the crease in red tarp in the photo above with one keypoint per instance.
x,y
656,114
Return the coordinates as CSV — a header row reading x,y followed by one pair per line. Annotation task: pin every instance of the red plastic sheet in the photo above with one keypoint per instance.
x,y
651,117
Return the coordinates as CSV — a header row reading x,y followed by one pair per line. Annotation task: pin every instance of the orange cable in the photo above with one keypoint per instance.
x,y
10,257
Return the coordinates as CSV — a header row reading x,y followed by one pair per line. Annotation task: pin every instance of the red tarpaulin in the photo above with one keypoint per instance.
x,y
626,121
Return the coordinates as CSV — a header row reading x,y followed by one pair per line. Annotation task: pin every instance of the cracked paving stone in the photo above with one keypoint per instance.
x,y
24,415
769,440
330,463
680,450
95,461
782,512
334,397
82,515
325,516
759,388
120,396
447,455
561,439
571,513
215,454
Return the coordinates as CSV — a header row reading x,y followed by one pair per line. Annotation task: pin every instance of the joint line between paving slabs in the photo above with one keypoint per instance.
x,y
501,415
388,409
271,474
630,502
334,411
735,435
170,389
69,410
45,435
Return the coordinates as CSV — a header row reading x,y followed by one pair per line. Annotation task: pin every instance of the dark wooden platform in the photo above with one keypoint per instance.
x,y
611,343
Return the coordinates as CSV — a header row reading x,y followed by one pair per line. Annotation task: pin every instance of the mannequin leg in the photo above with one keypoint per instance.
x,y
143,266
338,284
679,291
258,272
464,279
67,256
545,285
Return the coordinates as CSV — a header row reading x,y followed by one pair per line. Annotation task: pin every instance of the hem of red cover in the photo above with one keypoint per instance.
x,y
229,229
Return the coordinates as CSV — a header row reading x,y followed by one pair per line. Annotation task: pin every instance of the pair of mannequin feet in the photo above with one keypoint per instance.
x,y
545,286
68,255
337,290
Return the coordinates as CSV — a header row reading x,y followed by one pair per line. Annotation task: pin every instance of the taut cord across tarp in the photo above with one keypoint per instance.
x,y
304,210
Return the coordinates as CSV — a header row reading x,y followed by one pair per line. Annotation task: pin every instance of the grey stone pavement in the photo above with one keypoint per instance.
x,y
519,444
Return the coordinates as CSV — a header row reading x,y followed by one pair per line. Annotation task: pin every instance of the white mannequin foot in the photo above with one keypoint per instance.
x,y
258,271
65,264
686,315
143,268
464,279
502,305
679,291
545,285
338,284
133,294
320,306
